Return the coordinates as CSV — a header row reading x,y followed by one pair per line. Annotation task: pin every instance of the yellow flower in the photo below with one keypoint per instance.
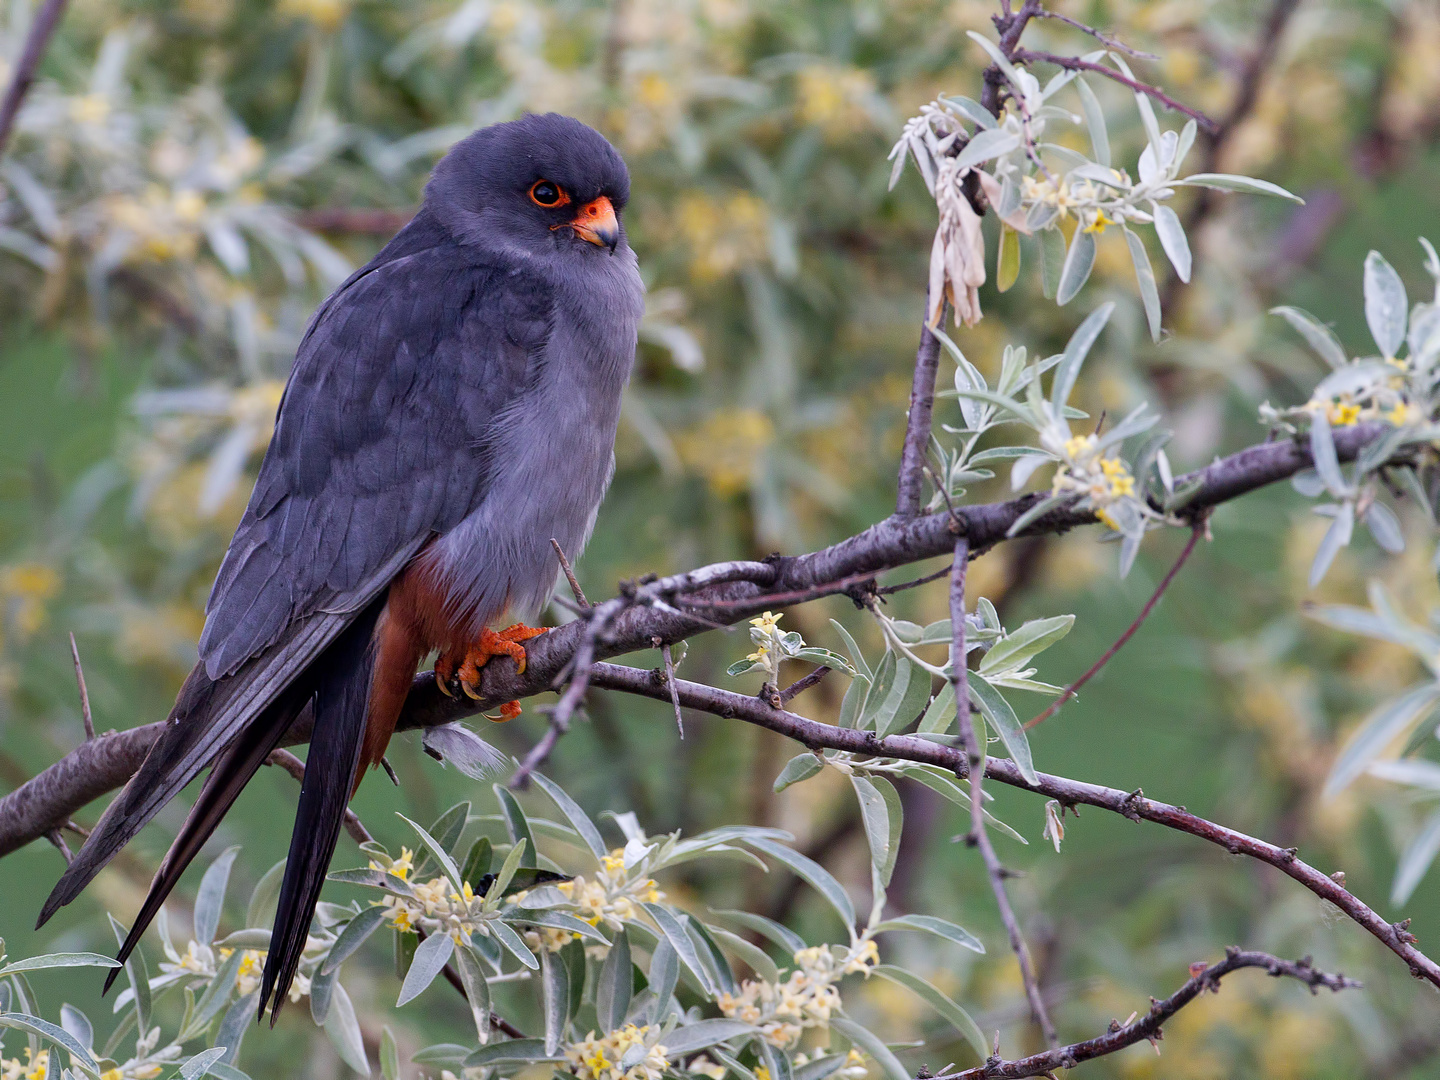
x,y
90,109
1098,225
1402,414
1344,414
1079,444
767,622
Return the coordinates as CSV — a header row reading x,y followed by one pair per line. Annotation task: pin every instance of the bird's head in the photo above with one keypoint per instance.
x,y
543,185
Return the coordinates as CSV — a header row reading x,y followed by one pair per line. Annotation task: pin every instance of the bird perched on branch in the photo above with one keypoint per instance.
x,y
452,407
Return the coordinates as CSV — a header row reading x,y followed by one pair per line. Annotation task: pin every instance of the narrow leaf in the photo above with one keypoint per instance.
x,y
211,897
1145,279
1079,261
812,872
430,957
932,995
1172,239
1003,719
1381,728
612,992
1386,305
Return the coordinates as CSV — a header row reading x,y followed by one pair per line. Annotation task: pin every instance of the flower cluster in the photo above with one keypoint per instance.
x,y
433,906
806,999
765,633
627,1054
34,1067
1105,479
204,961
774,647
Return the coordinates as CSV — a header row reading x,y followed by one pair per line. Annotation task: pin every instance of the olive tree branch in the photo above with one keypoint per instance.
x,y
1149,1026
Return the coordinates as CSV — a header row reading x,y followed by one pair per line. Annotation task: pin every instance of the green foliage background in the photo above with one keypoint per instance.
x,y
766,413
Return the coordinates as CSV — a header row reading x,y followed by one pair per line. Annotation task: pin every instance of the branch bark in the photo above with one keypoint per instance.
x,y
1148,1027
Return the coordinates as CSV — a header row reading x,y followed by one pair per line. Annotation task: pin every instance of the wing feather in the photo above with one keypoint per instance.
x,y
378,446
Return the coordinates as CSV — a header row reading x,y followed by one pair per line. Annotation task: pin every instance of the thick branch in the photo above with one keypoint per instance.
x,y
1148,1027
51,798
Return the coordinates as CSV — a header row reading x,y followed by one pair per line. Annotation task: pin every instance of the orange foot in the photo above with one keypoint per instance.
x,y
465,667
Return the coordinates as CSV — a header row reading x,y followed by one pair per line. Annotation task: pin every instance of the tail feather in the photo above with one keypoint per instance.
x,y
207,716
232,771
341,701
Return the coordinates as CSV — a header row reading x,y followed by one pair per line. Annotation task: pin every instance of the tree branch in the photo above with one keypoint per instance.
x,y
1074,63
1148,1027
1133,804
918,421
47,19
975,769
52,797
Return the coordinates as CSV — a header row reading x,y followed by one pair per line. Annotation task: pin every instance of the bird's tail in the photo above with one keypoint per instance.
x,y
232,771
341,704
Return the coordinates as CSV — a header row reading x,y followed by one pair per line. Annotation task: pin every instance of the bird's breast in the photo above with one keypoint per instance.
x,y
548,458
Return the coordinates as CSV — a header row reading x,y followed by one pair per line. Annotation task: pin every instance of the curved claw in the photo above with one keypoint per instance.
x,y
492,643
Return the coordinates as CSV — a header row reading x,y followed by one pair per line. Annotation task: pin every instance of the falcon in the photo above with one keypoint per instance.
x,y
451,408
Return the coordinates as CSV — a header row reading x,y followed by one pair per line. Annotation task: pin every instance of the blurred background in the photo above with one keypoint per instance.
x,y
189,179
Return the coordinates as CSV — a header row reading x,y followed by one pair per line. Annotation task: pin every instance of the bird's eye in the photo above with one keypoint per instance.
x,y
546,193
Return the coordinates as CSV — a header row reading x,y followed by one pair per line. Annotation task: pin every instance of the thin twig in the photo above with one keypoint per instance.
x,y
36,42
1148,1027
975,756
805,682
890,590
574,693
84,693
55,837
1074,63
670,682
569,574
295,767
1070,691
1099,35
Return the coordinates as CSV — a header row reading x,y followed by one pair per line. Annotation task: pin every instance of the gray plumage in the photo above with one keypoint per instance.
x,y
463,388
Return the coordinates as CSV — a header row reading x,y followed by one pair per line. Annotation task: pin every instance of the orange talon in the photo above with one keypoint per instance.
x,y
492,643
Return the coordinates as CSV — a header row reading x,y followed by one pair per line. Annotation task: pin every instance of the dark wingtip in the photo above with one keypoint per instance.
x,y
110,980
59,896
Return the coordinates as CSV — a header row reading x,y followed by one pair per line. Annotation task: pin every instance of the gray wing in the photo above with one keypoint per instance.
x,y
378,446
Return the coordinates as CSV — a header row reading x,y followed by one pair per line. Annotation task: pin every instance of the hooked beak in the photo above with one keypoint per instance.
x,y
597,223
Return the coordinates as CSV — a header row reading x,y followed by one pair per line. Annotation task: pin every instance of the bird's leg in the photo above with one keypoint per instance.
x,y
463,665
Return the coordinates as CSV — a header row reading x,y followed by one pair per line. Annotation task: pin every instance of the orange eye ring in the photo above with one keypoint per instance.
x,y
548,194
